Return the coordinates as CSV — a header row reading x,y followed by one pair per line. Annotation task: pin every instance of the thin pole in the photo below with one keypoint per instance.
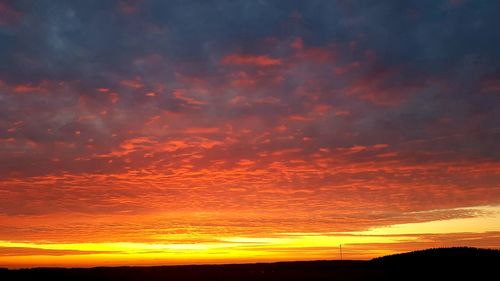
x,y
340,246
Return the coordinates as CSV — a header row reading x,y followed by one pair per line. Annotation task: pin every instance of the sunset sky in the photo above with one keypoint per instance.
x,y
182,132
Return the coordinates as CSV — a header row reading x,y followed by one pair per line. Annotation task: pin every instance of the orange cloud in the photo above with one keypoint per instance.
x,y
174,145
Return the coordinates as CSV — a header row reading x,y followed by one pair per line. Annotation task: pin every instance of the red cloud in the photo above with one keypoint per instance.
x,y
134,84
26,89
318,55
384,87
8,15
491,84
297,44
251,60
128,7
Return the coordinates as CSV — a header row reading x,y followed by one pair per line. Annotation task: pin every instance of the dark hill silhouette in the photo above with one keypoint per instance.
x,y
446,263
454,254
463,263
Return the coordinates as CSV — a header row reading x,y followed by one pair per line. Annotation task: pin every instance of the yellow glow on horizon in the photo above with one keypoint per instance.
x,y
234,249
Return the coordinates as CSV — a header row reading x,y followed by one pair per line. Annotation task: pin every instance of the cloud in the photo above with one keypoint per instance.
x,y
17,251
250,60
9,15
342,115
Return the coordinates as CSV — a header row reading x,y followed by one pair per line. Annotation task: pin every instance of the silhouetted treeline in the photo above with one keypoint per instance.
x,y
443,263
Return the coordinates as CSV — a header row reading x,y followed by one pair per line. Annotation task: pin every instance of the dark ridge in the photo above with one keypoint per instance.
x,y
456,263
454,253
443,263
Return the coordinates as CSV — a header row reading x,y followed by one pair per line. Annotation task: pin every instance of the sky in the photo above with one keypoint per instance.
x,y
181,132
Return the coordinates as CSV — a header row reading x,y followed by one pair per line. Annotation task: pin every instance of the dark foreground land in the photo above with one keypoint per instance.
x,y
432,264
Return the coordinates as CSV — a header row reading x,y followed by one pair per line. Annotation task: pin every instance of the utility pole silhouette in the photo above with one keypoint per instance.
x,y
340,249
